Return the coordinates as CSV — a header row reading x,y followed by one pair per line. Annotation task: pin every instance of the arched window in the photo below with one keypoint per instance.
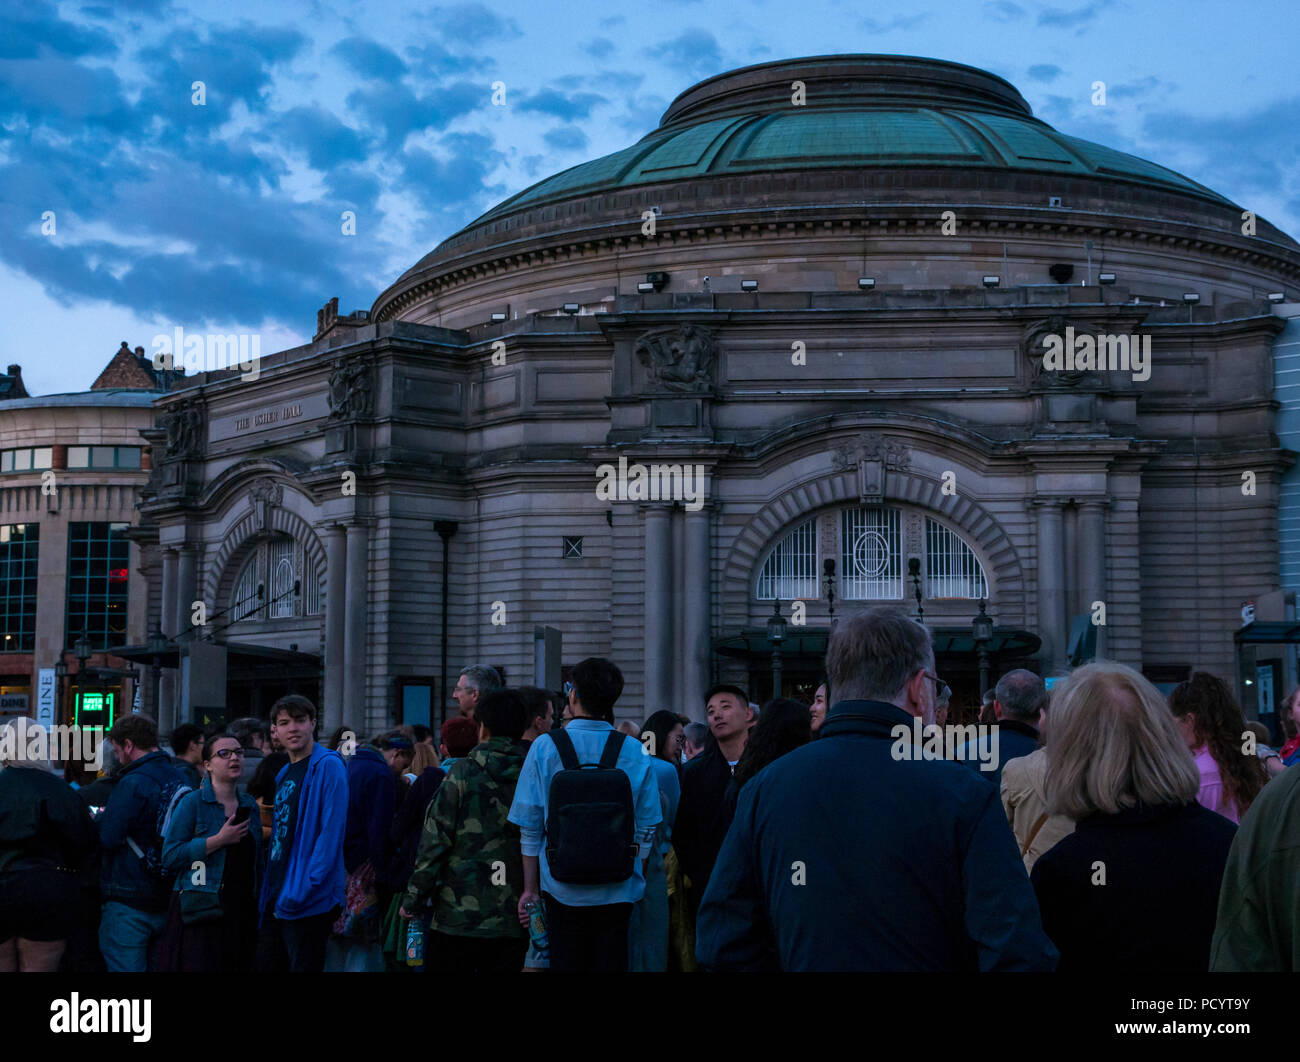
x,y
790,571
951,567
276,565
871,555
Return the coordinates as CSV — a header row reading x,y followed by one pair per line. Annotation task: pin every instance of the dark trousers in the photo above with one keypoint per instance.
x,y
587,939
295,945
447,953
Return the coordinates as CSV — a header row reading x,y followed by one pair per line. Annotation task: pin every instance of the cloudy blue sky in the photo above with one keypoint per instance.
x,y
226,217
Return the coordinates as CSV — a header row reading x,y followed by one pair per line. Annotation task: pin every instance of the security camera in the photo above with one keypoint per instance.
x,y
706,279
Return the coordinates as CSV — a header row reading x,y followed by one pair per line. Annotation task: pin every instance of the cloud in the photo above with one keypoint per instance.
x,y
31,29
369,59
453,184
599,47
694,52
472,24
324,139
558,105
898,22
1067,19
397,111
1044,72
1003,11
566,138
1134,89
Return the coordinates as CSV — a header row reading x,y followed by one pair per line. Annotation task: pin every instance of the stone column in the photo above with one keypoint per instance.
x,y
1092,560
694,667
167,620
1051,584
187,591
354,626
658,610
336,551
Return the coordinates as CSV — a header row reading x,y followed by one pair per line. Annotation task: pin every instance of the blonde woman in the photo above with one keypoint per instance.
x,y
1136,886
46,838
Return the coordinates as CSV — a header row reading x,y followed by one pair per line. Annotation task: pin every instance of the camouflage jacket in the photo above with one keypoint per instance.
x,y
469,862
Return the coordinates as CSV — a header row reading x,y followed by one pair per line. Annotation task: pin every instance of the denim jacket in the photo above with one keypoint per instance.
x,y
196,817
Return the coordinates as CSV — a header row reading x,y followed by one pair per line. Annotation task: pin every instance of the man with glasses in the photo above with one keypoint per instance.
x,y
474,683
845,855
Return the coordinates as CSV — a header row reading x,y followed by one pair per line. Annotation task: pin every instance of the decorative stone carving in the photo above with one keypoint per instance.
x,y
1031,346
264,496
350,389
874,456
183,424
678,358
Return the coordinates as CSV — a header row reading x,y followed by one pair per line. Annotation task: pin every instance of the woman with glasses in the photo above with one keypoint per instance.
x,y
217,860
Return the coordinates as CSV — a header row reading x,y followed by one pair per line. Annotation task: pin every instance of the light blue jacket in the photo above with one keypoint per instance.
x,y
314,880
529,811
197,816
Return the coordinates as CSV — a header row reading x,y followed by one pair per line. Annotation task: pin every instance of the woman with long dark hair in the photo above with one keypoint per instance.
x,y
783,725
648,928
1212,725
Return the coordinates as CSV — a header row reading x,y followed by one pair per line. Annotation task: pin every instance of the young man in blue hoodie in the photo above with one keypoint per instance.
x,y
303,888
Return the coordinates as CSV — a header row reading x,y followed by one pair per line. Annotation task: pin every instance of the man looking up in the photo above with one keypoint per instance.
x,y
702,815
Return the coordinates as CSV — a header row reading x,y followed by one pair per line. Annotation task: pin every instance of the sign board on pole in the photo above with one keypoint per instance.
x,y
46,685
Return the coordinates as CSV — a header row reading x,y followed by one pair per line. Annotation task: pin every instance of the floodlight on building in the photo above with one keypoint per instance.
x,y
645,287
1276,296
498,316
749,285
1105,278
866,283
992,282
1190,297
571,307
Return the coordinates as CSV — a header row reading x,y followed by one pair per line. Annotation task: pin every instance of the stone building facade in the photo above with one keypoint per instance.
x,y
71,470
837,310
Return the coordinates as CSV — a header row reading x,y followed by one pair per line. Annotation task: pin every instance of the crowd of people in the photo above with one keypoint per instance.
x,y
1115,829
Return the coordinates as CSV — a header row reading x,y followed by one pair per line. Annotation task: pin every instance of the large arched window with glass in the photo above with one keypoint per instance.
x,y
273,567
870,546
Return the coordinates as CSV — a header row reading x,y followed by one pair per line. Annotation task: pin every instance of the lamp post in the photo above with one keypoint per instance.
x,y
914,571
60,673
82,651
157,646
828,585
982,631
776,635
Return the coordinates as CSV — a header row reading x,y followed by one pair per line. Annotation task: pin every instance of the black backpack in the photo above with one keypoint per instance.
x,y
591,818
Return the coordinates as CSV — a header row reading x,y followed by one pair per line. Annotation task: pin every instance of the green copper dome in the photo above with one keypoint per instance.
x,y
859,111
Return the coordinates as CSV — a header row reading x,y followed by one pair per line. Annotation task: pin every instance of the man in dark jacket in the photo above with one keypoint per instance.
x,y
135,897
862,853
703,814
1018,703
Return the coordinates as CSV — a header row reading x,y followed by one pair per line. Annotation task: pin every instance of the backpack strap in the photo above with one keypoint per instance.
x,y
564,746
613,747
